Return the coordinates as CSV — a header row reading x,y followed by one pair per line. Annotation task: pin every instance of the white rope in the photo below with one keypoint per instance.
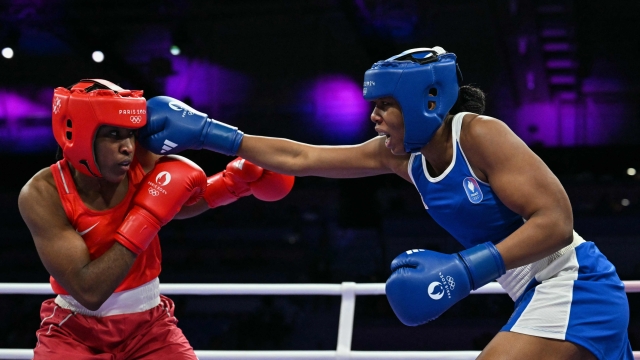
x,y
631,286
326,355
297,354
347,290
307,355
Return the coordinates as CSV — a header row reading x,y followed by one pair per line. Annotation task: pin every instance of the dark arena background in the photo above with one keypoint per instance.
x,y
562,74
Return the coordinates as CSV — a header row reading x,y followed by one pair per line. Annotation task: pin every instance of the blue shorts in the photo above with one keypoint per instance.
x,y
578,298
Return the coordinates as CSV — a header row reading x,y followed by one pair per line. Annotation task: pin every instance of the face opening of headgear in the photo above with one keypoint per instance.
x,y
425,82
79,110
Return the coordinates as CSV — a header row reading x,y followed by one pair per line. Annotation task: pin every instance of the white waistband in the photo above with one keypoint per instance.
x,y
139,299
515,281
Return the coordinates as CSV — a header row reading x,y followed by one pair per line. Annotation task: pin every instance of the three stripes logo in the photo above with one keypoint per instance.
x,y
168,146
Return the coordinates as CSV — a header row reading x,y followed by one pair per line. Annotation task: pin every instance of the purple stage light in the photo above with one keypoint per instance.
x,y
572,123
14,107
557,47
562,79
536,123
558,109
205,86
561,64
25,125
531,80
523,43
554,33
597,86
339,109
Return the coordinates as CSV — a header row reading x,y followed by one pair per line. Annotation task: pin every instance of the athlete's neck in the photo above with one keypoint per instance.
x,y
98,193
439,150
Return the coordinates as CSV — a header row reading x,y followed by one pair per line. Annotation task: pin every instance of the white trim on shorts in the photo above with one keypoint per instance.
x,y
550,305
515,281
142,298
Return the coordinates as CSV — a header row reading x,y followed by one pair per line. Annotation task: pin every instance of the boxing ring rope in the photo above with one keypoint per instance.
x,y
347,290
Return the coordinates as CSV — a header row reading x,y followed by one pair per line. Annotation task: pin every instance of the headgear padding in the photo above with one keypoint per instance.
x,y
424,81
79,110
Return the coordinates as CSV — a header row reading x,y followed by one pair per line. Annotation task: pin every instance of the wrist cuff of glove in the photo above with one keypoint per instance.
x,y
217,193
138,230
484,264
221,138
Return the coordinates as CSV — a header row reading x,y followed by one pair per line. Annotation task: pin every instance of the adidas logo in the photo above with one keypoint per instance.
x,y
168,145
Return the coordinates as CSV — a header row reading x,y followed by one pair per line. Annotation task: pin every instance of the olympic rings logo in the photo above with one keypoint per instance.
x,y
452,284
136,119
154,192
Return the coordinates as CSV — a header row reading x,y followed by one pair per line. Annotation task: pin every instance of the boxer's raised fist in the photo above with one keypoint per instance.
x,y
424,284
174,181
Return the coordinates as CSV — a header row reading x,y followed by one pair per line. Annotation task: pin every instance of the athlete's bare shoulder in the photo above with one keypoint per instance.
x,y
39,190
478,125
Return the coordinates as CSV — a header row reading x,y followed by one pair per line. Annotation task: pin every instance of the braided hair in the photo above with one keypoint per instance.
x,y
470,99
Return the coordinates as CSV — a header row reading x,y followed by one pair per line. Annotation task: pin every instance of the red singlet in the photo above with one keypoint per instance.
x,y
98,228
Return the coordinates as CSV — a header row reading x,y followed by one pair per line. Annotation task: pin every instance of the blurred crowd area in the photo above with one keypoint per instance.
x,y
326,231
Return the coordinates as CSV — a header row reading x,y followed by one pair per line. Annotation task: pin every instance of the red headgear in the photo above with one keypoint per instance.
x,y
79,110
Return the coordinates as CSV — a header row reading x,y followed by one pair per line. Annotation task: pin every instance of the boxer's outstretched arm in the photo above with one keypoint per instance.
x,y
348,161
173,126
240,178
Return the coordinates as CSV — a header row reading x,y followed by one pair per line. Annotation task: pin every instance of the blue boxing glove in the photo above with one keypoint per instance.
x,y
424,284
173,126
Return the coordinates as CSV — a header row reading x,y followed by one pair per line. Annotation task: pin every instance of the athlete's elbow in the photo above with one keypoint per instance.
x,y
93,306
91,302
89,298
562,226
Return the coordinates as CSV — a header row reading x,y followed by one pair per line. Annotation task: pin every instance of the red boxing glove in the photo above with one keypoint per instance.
x,y
174,181
243,178
272,186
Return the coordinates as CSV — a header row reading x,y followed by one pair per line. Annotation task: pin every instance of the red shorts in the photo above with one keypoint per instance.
x,y
151,334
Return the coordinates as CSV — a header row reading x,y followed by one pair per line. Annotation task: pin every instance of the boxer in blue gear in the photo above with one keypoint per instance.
x,y
481,183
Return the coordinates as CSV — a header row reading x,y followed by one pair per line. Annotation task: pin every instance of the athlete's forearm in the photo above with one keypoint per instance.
x,y
92,285
299,159
539,237
276,154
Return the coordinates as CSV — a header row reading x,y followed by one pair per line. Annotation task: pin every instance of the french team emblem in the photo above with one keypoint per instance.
x,y
472,189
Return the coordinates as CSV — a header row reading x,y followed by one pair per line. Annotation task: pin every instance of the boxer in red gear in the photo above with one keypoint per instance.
x,y
94,217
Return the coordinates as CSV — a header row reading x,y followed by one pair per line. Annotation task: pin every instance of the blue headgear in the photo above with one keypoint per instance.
x,y
419,79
